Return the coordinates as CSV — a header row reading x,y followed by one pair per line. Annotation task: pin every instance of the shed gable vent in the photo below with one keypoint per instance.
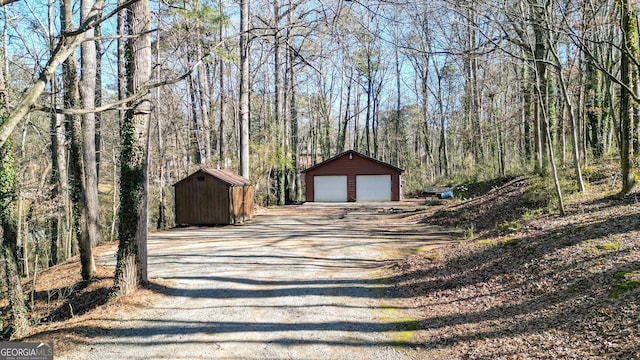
x,y
200,178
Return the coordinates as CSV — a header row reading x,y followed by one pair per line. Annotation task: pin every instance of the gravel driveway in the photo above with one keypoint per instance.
x,y
307,282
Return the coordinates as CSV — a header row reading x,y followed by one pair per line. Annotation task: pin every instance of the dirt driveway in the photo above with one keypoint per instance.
x,y
303,282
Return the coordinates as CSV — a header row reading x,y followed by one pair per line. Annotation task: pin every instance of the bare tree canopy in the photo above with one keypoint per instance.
x,y
446,90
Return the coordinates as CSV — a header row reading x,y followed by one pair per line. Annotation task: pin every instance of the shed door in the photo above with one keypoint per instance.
x,y
373,188
330,188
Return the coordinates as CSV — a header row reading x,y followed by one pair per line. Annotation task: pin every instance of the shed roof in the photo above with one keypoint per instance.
x,y
226,176
353,152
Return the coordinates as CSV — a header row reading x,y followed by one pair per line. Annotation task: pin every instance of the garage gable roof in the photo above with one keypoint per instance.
x,y
225,176
353,152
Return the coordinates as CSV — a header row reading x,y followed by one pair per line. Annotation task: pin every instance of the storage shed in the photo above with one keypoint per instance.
x,y
352,176
212,197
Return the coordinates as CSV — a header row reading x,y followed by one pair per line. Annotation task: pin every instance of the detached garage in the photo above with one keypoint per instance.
x,y
213,197
352,176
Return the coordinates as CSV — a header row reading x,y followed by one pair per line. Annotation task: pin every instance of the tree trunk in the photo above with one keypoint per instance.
x,y
367,120
244,88
222,143
296,181
80,223
357,138
162,208
594,110
572,118
527,113
541,108
341,105
341,146
98,102
374,121
627,105
498,130
424,112
472,87
18,322
223,109
58,180
88,92
398,139
278,118
55,222
60,221
204,102
554,169
442,148
198,148
131,264
114,198
122,72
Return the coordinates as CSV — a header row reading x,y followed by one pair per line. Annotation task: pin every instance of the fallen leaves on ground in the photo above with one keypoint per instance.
x,y
544,291
68,311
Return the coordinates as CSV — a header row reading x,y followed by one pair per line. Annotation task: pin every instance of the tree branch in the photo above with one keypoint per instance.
x,y
64,48
143,91
6,2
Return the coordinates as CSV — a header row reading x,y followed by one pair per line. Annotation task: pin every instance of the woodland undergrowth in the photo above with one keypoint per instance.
x,y
524,282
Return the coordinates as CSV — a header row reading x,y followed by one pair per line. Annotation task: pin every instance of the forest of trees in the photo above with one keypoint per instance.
x,y
104,105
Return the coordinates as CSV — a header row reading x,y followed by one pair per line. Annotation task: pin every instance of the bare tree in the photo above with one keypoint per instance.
x,y
81,224
628,106
572,119
18,322
244,88
59,178
64,48
131,266
87,93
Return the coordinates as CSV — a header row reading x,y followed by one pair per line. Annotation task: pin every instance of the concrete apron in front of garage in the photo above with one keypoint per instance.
x,y
408,205
303,282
